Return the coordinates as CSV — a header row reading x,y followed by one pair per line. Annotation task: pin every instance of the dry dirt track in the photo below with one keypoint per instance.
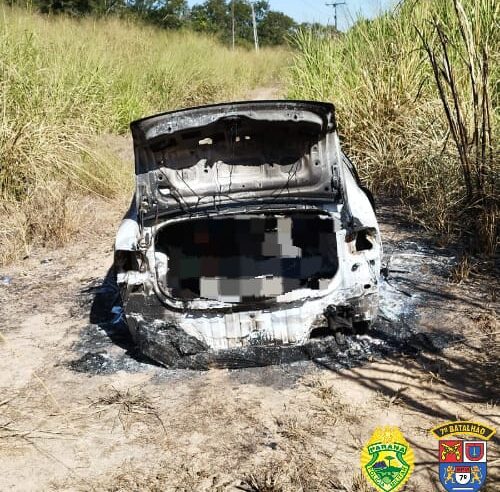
x,y
80,410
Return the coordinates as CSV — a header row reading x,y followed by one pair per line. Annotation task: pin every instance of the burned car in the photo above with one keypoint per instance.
x,y
249,235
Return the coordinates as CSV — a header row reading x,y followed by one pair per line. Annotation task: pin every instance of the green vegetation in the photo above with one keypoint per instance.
x,y
417,93
211,16
64,82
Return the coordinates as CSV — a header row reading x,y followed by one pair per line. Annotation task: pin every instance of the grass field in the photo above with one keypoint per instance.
x,y
392,108
64,82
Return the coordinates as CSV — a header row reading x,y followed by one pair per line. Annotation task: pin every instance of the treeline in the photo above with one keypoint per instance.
x,y
213,16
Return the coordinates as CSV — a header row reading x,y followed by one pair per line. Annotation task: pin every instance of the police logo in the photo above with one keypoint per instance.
x,y
387,459
462,455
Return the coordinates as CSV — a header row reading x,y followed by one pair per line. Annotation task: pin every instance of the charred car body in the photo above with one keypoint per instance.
x,y
249,234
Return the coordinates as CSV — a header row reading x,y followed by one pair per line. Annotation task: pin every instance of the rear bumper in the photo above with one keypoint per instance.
x,y
249,338
174,349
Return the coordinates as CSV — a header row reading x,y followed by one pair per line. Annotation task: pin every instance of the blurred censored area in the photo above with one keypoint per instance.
x,y
246,257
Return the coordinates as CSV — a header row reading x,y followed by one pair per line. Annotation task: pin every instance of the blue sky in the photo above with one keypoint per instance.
x,y
317,11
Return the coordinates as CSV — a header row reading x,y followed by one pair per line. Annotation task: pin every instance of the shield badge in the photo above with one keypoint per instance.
x,y
462,461
387,459
475,451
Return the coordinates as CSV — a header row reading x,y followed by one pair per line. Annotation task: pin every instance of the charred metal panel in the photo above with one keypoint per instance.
x,y
154,341
250,232
215,155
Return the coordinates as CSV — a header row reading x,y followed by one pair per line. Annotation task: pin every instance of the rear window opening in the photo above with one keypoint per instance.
x,y
246,258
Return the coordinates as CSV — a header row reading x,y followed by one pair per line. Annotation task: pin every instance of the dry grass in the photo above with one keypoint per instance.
x,y
296,474
359,484
130,406
394,117
462,270
390,400
64,82
298,430
330,406
300,473
272,478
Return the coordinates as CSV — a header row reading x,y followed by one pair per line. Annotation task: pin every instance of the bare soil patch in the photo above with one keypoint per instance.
x,y
81,410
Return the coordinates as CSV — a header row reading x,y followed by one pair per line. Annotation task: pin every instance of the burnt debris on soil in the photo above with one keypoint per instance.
x,y
105,345
415,278
107,348
96,363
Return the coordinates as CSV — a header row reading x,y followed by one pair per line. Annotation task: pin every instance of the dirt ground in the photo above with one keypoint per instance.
x,y
81,410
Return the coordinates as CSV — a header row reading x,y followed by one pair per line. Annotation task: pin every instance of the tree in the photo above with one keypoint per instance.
x,y
215,16
275,27
243,19
74,7
244,22
212,16
320,30
170,14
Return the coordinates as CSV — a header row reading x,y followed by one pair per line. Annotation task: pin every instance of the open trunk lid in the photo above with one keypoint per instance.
x,y
237,153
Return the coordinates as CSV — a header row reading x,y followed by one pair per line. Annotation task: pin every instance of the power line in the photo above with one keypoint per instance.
x,y
316,8
335,5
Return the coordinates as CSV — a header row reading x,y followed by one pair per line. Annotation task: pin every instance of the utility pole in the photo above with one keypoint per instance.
x,y
335,6
255,34
234,24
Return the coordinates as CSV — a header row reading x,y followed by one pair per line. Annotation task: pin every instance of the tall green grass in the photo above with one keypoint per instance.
x,y
392,114
64,82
